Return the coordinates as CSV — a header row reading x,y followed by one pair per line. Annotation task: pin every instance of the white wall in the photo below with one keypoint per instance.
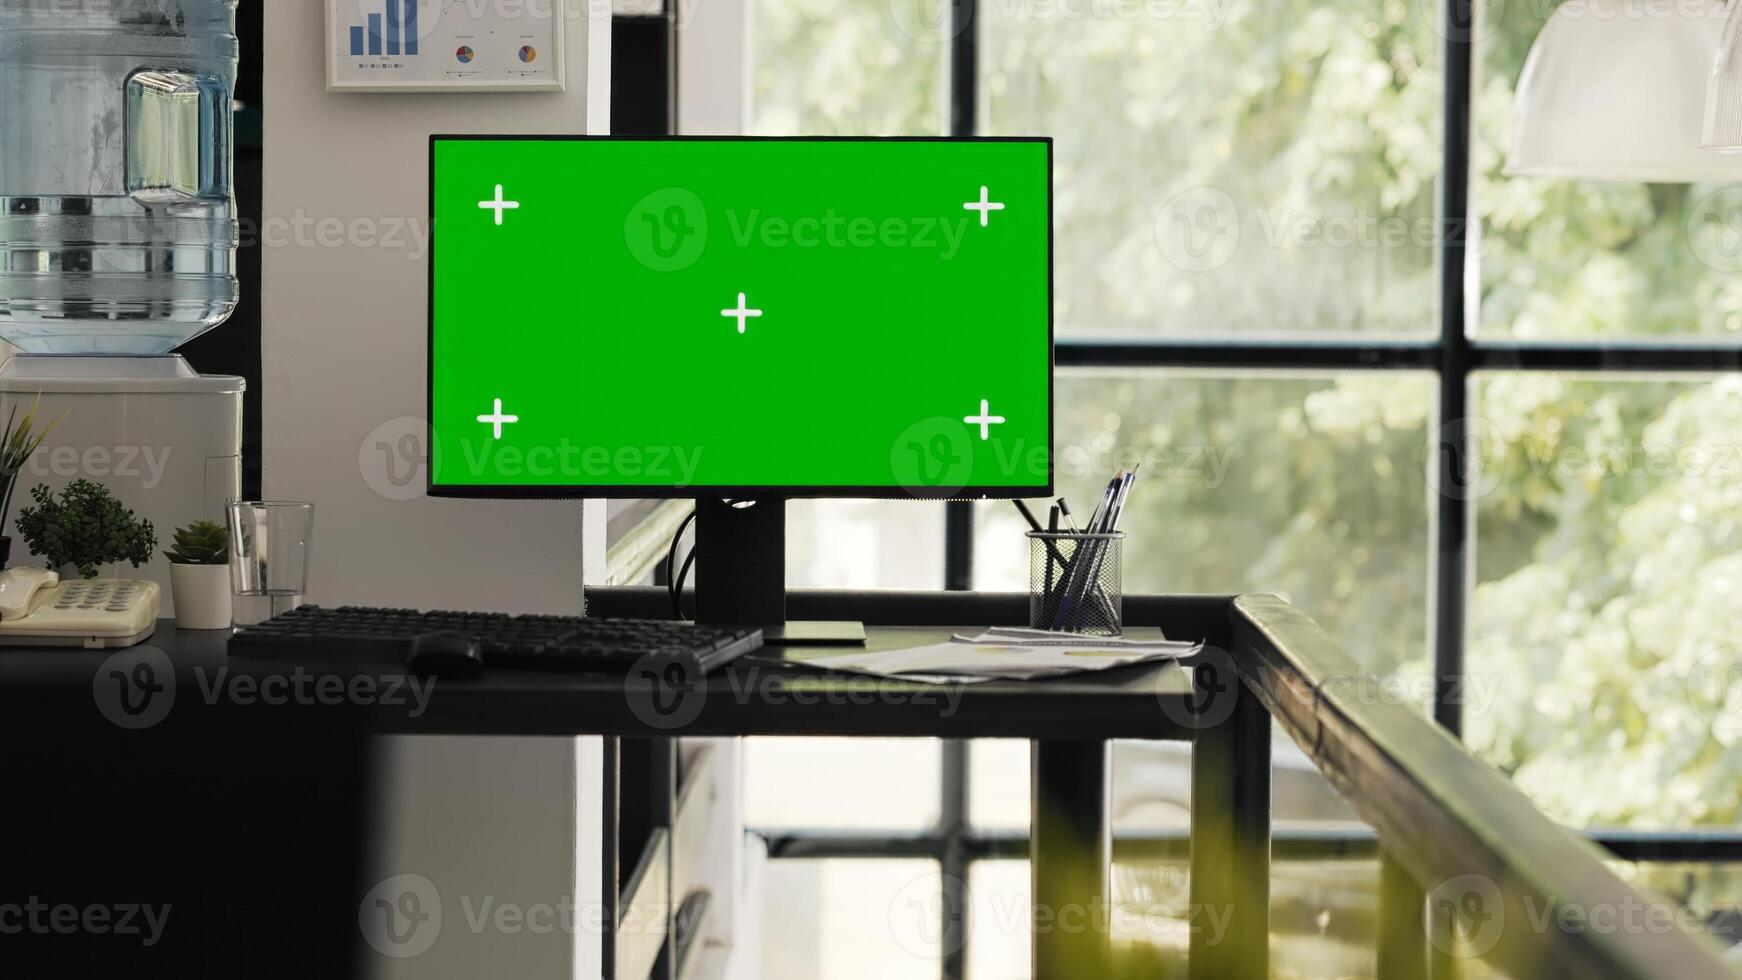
x,y
713,65
342,347
344,329
505,833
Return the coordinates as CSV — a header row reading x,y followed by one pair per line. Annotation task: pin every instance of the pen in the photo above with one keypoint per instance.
x,y
1078,584
1051,545
1100,513
1112,502
1052,527
1083,578
1114,512
1119,501
1065,509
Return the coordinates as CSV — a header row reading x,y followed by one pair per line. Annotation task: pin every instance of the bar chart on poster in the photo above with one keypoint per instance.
x,y
426,45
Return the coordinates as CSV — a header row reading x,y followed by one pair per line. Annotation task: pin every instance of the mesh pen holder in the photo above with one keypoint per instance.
x,y
1074,582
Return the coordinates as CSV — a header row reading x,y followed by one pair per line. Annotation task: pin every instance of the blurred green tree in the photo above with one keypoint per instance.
x,y
1235,167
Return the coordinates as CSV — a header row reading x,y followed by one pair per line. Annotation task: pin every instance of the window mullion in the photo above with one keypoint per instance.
x,y
1452,457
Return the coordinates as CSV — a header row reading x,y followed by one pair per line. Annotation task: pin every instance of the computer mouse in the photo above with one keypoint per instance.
x,y
445,654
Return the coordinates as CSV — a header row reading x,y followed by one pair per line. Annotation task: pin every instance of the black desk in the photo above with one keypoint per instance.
x,y
53,693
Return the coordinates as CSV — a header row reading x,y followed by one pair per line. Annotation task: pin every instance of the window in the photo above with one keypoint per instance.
x,y
836,68
1230,169
1589,260
1479,426
851,920
1604,625
1313,487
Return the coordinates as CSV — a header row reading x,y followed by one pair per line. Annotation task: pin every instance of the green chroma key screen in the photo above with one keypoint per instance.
x,y
670,317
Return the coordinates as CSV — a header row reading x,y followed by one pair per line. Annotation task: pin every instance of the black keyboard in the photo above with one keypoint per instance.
x,y
569,643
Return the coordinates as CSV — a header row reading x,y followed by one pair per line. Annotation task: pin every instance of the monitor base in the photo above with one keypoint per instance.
x,y
741,574
814,633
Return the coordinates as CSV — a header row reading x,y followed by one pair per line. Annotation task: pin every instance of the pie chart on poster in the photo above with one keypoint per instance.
x,y
465,55
529,54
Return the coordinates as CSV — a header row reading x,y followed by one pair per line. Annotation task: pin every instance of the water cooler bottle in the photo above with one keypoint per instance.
x,y
118,244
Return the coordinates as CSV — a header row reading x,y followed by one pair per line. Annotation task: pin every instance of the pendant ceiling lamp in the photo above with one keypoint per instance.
x,y
1617,90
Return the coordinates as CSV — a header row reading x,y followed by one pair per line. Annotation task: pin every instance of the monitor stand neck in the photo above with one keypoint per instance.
x,y
741,563
741,573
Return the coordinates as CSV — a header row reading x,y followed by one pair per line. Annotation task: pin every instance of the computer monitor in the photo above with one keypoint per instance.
x,y
744,318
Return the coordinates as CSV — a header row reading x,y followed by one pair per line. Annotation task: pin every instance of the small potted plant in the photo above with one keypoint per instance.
x,y
199,576
18,441
84,529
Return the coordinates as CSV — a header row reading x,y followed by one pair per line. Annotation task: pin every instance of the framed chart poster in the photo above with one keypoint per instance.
x,y
444,45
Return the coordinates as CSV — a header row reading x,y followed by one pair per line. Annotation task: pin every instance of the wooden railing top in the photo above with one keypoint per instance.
x,y
1531,897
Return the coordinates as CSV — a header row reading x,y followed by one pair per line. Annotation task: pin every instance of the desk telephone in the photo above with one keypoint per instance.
x,y
38,609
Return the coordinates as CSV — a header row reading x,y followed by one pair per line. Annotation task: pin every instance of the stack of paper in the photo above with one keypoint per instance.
x,y
1007,653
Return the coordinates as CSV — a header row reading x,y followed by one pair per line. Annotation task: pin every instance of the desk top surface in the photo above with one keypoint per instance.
x,y
773,692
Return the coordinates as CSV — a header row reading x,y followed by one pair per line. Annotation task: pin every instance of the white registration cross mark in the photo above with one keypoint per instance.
x,y
985,420
985,205
743,313
499,205
497,420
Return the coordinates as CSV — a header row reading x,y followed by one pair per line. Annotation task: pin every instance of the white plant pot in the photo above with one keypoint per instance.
x,y
202,596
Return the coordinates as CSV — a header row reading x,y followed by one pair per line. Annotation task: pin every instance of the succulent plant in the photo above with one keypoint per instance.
x,y
200,543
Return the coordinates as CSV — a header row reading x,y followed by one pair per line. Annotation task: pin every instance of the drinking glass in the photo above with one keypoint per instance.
x,y
269,555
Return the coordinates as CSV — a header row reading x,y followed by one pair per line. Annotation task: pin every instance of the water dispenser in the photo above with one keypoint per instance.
x,y
117,216
118,243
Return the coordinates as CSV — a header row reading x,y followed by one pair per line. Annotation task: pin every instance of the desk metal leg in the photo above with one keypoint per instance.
x,y
1230,869
1071,853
